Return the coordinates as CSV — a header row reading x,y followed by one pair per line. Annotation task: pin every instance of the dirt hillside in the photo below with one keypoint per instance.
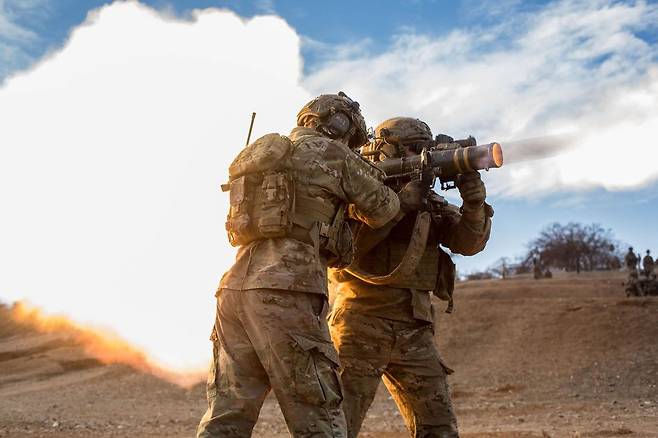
x,y
565,357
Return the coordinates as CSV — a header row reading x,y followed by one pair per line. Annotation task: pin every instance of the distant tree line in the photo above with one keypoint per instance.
x,y
573,247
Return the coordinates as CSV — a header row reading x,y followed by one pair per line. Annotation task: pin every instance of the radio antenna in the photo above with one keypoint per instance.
x,y
251,126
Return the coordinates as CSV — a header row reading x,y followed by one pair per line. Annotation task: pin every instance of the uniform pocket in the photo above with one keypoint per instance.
x,y
211,384
278,298
316,377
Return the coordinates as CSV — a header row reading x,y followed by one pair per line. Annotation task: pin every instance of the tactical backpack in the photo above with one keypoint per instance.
x,y
261,191
263,203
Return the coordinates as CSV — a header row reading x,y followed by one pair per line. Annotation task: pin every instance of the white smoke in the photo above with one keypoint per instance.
x,y
112,153
113,148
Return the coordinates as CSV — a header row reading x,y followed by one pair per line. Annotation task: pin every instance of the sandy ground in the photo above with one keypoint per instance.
x,y
566,357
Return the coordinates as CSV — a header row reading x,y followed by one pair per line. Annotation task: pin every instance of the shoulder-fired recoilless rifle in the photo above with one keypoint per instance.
x,y
445,159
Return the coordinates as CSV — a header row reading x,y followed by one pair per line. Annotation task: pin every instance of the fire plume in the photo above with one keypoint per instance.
x,y
99,343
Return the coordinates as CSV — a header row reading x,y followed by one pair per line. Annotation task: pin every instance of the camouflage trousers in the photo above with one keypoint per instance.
x,y
269,339
404,356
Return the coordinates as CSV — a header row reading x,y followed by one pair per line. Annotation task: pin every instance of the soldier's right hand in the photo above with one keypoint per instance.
x,y
472,190
411,196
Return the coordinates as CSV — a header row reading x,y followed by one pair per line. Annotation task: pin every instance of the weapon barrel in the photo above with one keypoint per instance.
x,y
452,162
448,163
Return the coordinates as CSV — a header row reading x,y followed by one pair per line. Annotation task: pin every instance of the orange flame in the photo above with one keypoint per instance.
x,y
99,343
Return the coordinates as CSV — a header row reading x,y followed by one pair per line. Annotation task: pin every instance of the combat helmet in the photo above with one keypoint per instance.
x,y
392,135
336,116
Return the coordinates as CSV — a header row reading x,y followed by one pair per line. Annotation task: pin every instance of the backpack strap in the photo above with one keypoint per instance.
x,y
410,260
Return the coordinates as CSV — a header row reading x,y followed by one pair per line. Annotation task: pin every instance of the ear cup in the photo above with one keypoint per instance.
x,y
337,125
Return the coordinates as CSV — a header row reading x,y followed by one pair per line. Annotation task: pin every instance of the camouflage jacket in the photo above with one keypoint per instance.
x,y
409,300
325,170
630,260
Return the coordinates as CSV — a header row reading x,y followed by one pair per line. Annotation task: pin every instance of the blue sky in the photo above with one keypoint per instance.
x,y
368,29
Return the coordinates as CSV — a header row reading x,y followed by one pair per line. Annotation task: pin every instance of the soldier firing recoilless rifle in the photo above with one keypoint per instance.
x,y
442,158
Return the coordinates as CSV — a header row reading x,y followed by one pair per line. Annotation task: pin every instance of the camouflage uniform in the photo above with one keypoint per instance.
x,y
648,265
270,330
387,332
536,269
630,260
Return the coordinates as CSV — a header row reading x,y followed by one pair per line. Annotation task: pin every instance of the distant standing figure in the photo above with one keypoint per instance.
x,y
631,260
648,265
536,268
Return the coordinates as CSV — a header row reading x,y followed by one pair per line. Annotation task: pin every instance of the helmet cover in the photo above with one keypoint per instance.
x,y
393,134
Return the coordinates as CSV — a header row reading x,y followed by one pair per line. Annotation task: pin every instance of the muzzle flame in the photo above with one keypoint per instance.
x,y
100,344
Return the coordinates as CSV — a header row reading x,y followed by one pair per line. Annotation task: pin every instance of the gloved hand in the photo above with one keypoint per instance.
x,y
472,190
411,196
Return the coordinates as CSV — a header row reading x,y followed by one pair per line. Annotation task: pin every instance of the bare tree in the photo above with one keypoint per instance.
x,y
574,247
500,268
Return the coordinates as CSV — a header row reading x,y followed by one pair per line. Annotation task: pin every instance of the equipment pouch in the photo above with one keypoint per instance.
x,y
276,202
445,280
238,220
339,242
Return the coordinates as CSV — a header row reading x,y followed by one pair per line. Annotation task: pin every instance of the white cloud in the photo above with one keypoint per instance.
x,y
265,6
480,9
574,67
9,29
111,156
16,37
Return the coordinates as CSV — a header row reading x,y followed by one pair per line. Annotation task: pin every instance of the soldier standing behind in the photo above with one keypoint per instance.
x,y
631,260
270,331
387,332
648,265
536,268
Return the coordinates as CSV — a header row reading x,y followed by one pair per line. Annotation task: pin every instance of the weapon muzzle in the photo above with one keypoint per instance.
x,y
452,162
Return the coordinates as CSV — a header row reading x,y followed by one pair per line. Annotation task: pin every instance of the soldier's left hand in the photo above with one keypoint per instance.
x,y
472,190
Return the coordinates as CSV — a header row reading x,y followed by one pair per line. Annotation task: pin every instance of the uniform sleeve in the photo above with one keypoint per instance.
x,y
375,204
465,232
